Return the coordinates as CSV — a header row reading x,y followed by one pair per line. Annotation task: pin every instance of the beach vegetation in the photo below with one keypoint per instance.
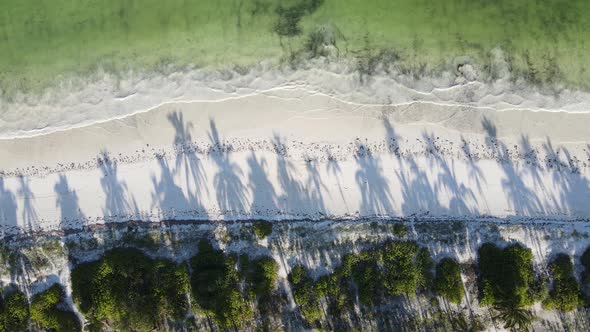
x,y
514,315
304,293
222,286
565,294
407,268
260,275
47,314
585,260
447,282
395,268
468,324
262,228
127,290
14,312
215,287
506,275
130,291
508,284
399,229
365,272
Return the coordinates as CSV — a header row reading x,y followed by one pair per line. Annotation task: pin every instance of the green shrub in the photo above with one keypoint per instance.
x,y
367,276
130,290
14,312
262,228
425,266
215,282
406,267
585,260
506,275
261,278
400,230
46,314
447,282
304,293
565,294
337,287
395,268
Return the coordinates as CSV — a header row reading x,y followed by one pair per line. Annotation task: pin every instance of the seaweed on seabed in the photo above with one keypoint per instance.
x,y
369,59
287,24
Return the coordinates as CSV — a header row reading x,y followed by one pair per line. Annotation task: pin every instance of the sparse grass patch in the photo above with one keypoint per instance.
x,y
262,228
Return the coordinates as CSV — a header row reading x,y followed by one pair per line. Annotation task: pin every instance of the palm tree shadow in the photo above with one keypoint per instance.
x,y
521,198
314,186
294,197
230,191
166,195
116,204
475,172
333,167
391,138
264,196
29,213
376,197
418,195
187,161
8,209
574,187
531,156
68,203
449,181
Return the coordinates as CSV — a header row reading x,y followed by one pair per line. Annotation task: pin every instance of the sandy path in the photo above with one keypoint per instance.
x,y
300,155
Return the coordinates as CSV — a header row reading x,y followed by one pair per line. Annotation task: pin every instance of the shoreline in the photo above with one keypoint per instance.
x,y
110,98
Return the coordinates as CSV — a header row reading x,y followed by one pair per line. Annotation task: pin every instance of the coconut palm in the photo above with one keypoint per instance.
x,y
514,316
461,323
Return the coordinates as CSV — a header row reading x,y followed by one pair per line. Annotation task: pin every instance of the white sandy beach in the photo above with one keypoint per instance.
x,y
329,148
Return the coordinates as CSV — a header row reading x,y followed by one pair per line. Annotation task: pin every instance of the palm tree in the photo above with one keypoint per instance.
x,y
514,316
460,323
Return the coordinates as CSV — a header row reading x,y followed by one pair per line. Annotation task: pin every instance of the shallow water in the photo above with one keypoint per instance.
x,y
40,40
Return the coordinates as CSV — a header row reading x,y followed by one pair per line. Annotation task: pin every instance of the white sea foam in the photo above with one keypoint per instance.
x,y
108,98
